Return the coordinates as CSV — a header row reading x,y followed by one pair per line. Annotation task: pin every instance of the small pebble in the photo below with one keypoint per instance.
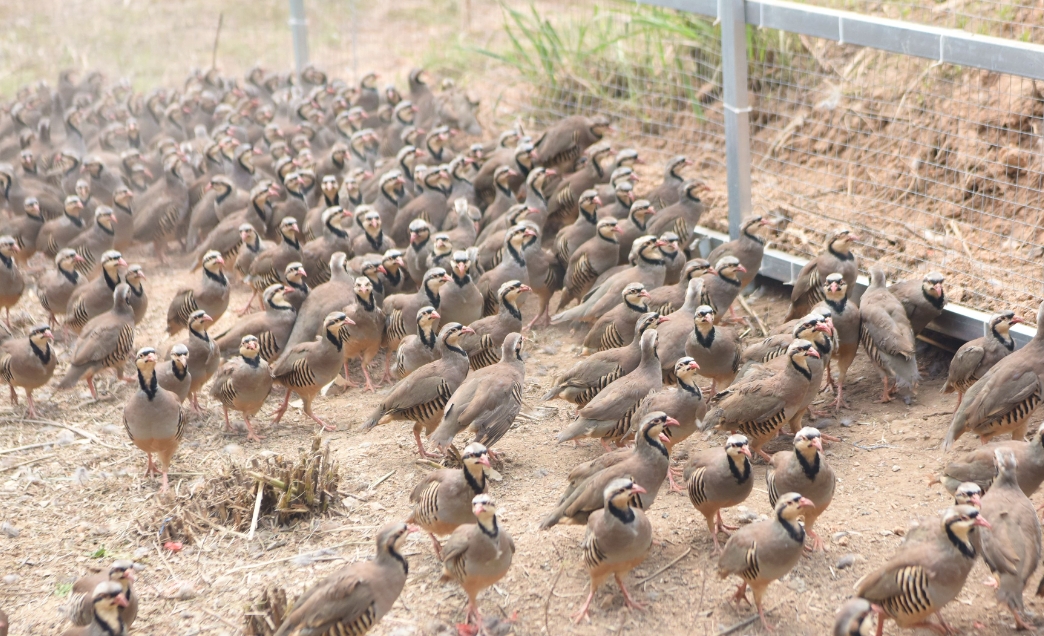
x,y
234,449
141,553
11,579
9,530
540,473
895,468
65,438
846,561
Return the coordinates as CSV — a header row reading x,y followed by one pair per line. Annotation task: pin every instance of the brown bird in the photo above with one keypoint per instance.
x,y
354,598
617,540
272,327
683,214
297,289
607,417
647,463
806,472
418,350
759,408
562,144
373,239
105,342
583,381
616,327
421,396
1005,397
25,229
243,384
307,367
925,575
847,323
837,258
978,356
684,402
12,284
1011,547
56,233
572,236
317,252
634,225
478,555
139,300
81,597
679,323
646,266
94,298
667,193
442,500
95,240
488,400
460,299
153,416
400,309
748,249
421,243
204,355
590,260
765,550
364,338
209,294
722,284
269,266
323,299
511,267
487,334
56,286
717,349
175,376
107,601
979,465
888,338
246,250
922,299
719,478
28,362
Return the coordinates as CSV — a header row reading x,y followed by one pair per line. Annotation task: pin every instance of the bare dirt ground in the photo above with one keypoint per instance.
x,y
71,502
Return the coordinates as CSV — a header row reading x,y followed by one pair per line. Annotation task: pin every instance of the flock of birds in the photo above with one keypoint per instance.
x,y
361,227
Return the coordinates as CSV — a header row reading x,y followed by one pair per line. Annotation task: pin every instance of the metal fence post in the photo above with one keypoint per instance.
x,y
737,110
299,29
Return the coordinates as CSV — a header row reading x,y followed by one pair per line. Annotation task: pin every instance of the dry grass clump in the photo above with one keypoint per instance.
x,y
291,489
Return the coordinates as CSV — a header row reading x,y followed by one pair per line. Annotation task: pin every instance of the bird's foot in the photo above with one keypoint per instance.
x,y
990,582
741,594
674,485
762,454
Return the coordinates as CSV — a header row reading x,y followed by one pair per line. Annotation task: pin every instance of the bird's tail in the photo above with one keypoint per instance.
x,y
72,376
375,418
578,428
552,393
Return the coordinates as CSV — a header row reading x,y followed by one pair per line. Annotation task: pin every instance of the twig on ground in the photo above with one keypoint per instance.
x,y
41,445
257,509
78,431
382,479
750,312
664,568
221,618
26,462
547,602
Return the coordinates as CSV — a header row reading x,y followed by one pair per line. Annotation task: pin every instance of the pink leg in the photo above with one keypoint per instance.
x,y
630,602
420,445
90,385
387,367
251,435
369,382
579,616
282,408
308,412
720,526
246,308
348,378
32,405
165,487
228,425
435,544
